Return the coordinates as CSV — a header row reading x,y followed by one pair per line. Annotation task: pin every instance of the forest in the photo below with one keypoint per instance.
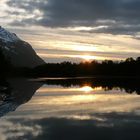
x,y
128,67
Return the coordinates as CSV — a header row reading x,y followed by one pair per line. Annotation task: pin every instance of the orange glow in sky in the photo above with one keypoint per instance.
x,y
88,57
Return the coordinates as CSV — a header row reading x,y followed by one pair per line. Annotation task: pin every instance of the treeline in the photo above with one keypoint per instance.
x,y
129,67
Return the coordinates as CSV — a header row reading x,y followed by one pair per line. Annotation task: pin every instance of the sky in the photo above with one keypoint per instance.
x,y
75,30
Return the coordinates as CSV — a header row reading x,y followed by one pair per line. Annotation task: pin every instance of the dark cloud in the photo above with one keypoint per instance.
x,y
62,13
129,29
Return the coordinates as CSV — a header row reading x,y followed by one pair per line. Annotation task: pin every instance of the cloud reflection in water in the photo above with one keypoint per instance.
x,y
75,112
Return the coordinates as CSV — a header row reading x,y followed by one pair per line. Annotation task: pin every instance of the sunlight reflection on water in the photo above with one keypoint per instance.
x,y
85,88
56,100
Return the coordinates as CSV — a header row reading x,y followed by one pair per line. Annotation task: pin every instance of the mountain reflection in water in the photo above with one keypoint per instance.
x,y
14,92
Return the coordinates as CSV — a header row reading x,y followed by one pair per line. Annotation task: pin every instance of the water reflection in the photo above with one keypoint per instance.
x,y
14,92
69,109
129,85
86,88
108,126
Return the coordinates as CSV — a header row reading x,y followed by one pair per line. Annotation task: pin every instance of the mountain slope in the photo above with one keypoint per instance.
x,y
19,52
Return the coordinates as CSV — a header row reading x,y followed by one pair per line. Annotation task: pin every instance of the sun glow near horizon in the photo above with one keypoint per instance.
x,y
88,58
81,58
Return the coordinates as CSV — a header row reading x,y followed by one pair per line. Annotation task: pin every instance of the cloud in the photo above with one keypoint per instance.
x,y
118,16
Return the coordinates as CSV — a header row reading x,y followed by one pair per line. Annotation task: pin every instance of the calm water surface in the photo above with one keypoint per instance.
x,y
68,110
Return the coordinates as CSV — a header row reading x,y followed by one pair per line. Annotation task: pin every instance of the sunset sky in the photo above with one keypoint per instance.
x,y
75,30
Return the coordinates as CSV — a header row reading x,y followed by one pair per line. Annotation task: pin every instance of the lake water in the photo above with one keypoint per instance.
x,y
69,109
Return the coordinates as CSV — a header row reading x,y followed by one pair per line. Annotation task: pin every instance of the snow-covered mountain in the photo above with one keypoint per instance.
x,y
17,51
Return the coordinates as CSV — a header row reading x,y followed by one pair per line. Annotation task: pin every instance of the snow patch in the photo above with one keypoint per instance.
x,y
7,36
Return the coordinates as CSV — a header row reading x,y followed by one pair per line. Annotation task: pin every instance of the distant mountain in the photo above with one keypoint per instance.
x,y
17,51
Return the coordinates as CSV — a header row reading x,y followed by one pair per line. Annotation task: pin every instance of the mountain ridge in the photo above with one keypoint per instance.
x,y
19,52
